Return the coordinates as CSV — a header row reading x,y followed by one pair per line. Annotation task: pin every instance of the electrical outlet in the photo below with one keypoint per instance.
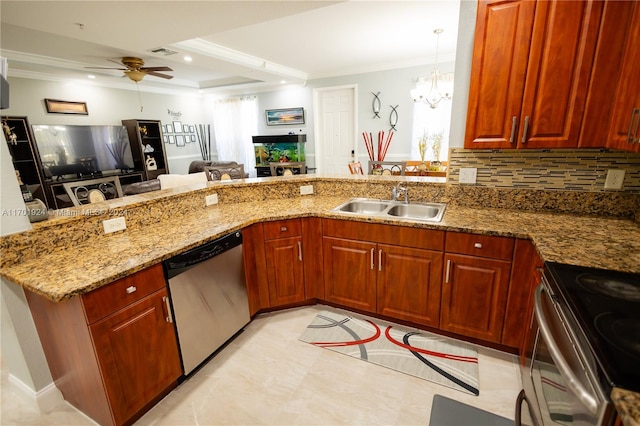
x,y
210,200
614,179
306,189
114,225
468,175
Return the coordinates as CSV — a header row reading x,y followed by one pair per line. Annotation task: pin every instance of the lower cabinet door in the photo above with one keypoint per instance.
x,y
138,354
409,283
474,296
350,273
285,270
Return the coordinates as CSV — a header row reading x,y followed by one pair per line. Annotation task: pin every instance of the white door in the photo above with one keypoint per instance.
x,y
335,137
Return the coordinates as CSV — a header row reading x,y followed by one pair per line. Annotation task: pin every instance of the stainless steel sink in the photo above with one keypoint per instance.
x,y
425,212
364,206
431,212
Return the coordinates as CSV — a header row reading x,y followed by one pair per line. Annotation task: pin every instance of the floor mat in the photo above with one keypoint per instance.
x,y
426,355
447,412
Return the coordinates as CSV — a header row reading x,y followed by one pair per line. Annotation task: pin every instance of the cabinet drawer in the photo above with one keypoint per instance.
x,y
112,297
479,245
282,229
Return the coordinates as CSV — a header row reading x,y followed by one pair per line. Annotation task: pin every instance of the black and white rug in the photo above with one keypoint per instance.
x,y
426,355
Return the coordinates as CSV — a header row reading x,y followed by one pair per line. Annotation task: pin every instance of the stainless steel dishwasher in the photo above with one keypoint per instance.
x,y
208,297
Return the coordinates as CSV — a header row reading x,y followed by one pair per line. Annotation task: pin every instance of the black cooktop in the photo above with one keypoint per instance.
x,y
606,306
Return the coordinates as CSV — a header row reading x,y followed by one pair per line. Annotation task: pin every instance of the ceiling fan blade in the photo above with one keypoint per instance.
x,y
105,68
155,69
115,62
157,74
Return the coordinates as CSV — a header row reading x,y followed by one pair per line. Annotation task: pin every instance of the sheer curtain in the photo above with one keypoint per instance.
x,y
235,122
431,121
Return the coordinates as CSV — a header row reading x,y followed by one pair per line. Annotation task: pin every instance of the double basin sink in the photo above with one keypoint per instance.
x,y
367,207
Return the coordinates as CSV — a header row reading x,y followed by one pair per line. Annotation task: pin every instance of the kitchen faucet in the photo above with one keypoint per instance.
x,y
398,191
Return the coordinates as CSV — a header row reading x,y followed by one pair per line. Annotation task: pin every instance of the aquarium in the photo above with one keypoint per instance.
x,y
278,148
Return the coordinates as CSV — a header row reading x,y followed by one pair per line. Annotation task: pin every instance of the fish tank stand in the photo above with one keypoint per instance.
x,y
277,148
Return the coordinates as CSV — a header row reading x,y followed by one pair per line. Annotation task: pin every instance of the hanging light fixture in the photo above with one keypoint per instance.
x,y
429,92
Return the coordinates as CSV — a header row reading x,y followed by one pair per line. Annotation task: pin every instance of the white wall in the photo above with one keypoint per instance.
x,y
394,87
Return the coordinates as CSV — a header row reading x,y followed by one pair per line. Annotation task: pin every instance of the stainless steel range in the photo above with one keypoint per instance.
x,y
587,342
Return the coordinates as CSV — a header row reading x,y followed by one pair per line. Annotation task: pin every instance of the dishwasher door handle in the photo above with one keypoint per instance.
x,y
168,317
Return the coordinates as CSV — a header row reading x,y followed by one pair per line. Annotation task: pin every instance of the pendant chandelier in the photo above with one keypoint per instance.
x,y
428,91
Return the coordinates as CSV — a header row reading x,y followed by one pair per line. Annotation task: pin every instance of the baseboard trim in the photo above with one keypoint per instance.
x,y
45,399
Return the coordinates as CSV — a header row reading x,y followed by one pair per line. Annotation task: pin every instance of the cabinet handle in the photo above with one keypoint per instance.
x,y
373,266
283,229
131,289
299,251
478,245
526,129
633,130
379,260
446,277
514,125
168,318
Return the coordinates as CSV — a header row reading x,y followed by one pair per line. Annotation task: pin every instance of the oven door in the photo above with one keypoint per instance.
x,y
558,386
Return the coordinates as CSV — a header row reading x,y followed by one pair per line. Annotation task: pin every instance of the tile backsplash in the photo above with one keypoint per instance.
x,y
561,169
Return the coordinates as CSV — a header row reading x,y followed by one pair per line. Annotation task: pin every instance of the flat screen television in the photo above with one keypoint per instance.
x,y
80,151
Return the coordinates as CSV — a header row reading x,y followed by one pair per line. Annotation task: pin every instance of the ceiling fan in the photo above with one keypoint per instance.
x,y
135,69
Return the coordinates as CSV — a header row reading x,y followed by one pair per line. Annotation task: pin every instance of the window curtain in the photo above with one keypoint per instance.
x,y
429,122
235,122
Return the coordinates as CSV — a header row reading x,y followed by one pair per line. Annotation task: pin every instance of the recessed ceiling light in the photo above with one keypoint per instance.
x,y
91,76
283,81
188,58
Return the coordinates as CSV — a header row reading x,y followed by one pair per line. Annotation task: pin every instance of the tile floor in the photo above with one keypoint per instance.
x,y
266,376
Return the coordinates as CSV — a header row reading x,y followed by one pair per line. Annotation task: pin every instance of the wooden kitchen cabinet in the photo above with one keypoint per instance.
x,y
285,271
390,270
624,130
409,282
530,73
350,274
112,352
525,276
283,264
475,285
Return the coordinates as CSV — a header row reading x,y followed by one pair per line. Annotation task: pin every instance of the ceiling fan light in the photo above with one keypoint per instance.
x,y
135,75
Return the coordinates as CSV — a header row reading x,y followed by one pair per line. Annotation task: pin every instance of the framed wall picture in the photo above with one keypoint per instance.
x,y
177,127
179,140
185,128
168,128
279,117
172,139
65,107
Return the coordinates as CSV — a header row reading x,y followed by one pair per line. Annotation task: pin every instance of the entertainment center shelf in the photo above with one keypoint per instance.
x,y
24,154
147,147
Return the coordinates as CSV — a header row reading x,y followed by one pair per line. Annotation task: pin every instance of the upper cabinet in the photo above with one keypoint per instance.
x,y
530,73
147,147
624,131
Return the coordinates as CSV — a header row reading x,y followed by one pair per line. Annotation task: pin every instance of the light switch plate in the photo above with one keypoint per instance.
x,y
114,225
306,189
468,175
211,199
614,179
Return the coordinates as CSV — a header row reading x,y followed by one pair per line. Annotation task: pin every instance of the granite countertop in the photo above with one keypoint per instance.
x,y
579,240
606,243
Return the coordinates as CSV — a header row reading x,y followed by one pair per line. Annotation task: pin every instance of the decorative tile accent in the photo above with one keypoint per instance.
x,y
569,170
